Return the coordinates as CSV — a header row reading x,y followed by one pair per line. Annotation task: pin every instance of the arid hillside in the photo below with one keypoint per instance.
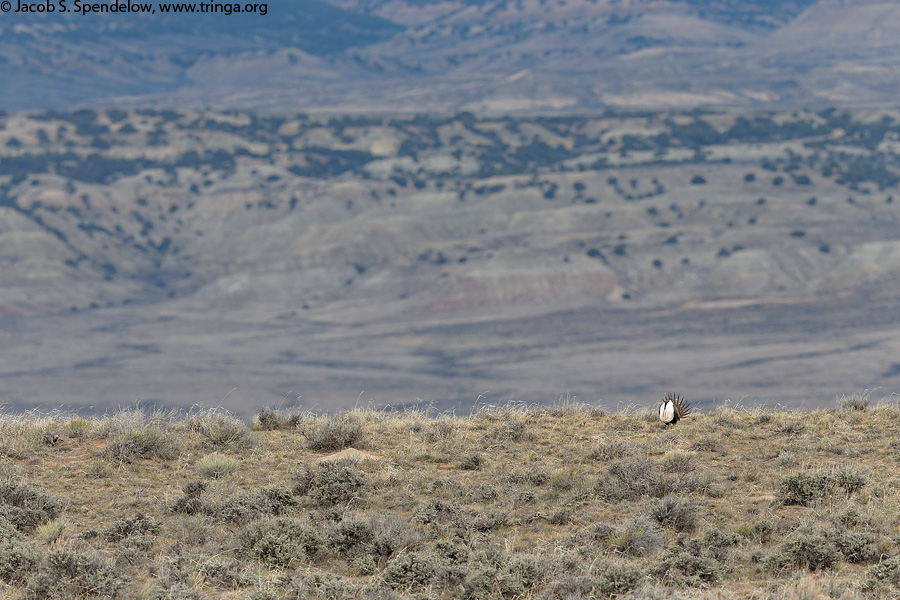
x,y
510,502
176,256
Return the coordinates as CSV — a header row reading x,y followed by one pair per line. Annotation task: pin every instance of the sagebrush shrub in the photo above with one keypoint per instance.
x,y
855,547
631,479
849,518
25,506
533,476
330,434
350,537
851,480
761,530
411,570
281,541
225,573
451,551
719,542
676,512
479,584
269,419
190,502
804,489
327,585
514,431
530,569
72,572
686,567
569,587
267,501
807,550
124,527
18,558
887,571
392,535
148,440
440,429
335,482
561,517
607,451
619,579
678,462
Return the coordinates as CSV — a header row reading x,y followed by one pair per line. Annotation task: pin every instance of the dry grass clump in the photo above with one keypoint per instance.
x,y
220,429
216,465
23,434
135,434
507,503
857,401
270,419
330,434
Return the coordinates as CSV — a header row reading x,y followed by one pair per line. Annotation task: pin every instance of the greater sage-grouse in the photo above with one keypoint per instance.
x,y
673,408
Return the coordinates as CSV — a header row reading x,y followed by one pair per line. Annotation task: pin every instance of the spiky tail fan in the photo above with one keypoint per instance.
x,y
681,408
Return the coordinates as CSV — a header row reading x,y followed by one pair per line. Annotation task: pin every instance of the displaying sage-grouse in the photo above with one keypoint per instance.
x,y
673,408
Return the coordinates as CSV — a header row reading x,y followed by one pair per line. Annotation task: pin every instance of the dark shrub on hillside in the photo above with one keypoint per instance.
x,y
472,462
269,419
326,585
138,524
18,558
330,434
189,502
808,550
631,479
856,547
221,429
851,480
410,570
681,514
687,567
268,501
350,537
72,572
887,571
804,489
331,482
25,506
619,579
281,541
719,542
570,587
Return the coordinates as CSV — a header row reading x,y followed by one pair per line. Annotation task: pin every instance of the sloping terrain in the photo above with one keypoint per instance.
x,y
173,256
509,502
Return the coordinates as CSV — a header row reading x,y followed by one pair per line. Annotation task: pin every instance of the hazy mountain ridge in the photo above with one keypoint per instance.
x,y
497,56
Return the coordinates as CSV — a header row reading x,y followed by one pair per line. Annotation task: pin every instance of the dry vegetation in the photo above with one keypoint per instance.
x,y
561,503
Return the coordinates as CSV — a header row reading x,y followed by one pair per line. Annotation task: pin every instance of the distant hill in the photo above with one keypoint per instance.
x,y
486,56
175,256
